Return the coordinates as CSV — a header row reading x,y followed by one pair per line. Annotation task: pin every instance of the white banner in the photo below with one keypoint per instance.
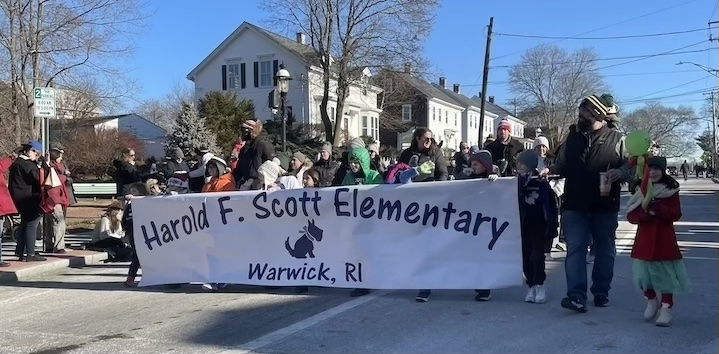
x,y
439,235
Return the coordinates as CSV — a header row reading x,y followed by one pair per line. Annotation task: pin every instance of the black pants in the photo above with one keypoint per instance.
x,y
135,263
533,244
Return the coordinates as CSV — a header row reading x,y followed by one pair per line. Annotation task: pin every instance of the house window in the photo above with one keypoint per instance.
x,y
455,119
266,73
375,127
406,112
333,114
233,75
434,113
446,117
365,127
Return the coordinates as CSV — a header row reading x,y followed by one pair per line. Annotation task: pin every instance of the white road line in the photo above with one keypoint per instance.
x,y
285,332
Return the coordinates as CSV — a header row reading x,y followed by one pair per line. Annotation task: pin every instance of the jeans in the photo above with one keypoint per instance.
x,y
582,229
26,235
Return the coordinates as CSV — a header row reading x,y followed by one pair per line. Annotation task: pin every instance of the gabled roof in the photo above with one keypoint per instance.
x,y
304,51
428,89
77,123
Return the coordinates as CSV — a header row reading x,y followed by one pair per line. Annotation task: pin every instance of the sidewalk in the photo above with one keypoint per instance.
x,y
76,256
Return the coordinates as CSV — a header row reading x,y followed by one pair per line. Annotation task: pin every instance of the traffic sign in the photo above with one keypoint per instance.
x,y
44,102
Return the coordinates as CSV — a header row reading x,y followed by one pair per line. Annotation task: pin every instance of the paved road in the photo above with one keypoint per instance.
x,y
86,310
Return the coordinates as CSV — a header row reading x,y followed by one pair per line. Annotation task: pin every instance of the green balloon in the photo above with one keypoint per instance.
x,y
638,143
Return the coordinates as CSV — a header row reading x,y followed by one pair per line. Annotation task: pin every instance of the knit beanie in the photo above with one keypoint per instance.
x,y
540,140
327,146
373,147
356,143
484,157
299,157
269,171
529,158
474,149
658,162
504,124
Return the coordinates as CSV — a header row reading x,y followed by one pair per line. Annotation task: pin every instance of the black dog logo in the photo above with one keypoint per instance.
x,y
305,245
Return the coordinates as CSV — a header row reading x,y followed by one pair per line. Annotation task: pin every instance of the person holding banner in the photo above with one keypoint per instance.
x,y
425,147
592,159
137,189
255,152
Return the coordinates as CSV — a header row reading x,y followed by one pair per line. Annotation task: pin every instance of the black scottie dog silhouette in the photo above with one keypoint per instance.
x,y
304,245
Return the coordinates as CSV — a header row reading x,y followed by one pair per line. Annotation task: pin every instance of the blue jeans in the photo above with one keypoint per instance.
x,y
582,229
26,235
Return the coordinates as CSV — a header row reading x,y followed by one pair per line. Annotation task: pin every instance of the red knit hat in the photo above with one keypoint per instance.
x,y
504,124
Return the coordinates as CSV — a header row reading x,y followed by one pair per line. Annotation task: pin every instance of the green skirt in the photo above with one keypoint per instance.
x,y
664,277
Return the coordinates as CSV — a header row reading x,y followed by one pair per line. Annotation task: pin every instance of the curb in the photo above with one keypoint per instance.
x,y
44,268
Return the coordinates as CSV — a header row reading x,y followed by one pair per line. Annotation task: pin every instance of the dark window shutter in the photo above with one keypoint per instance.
x,y
242,76
224,77
275,67
257,73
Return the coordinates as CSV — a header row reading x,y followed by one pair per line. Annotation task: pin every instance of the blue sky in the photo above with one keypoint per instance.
x,y
179,34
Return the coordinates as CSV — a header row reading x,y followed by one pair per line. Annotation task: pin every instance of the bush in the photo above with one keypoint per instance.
x,y
89,154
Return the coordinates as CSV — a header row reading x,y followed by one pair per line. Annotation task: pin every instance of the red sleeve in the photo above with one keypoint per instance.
x,y
668,209
5,164
638,215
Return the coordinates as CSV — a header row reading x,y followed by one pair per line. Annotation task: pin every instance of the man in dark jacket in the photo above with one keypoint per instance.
x,y
326,166
461,159
175,162
25,189
591,148
256,151
505,149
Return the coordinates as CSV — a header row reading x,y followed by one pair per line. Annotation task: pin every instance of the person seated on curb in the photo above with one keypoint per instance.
x,y
480,166
109,235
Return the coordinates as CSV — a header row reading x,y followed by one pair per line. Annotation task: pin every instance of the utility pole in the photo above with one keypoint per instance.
x,y
485,76
714,134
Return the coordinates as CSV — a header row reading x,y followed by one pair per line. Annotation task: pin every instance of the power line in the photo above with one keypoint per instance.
x,y
708,89
607,26
608,75
639,57
662,34
668,89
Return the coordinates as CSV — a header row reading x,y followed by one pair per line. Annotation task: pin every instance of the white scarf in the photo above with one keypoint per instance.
x,y
660,191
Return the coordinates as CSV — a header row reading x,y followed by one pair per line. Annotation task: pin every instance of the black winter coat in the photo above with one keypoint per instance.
x,y
125,175
506,152
255,153
24,186
327,170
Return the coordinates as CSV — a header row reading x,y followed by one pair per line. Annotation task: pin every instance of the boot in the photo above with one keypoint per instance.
x,y
665,316
651,311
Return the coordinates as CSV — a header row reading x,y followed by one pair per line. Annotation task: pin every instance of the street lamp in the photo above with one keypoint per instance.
x,y
714,72
283,85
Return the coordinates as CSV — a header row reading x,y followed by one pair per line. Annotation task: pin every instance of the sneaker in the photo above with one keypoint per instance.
x,y
423,296
62,251
4,264
359,292
35,258
483,295
207,287
540,294
664,319
601,301
651,311
531,295
574,304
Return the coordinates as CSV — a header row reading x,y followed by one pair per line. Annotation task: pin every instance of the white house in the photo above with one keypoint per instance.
x,y
470,114
247,61
150,134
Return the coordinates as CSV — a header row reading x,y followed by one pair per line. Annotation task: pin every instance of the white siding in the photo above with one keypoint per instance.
x,y
442,123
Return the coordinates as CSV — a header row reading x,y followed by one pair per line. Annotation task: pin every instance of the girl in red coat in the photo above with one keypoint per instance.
x,y
658,267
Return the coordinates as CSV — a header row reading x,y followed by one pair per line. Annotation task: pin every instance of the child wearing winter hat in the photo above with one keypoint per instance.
x,y
658,265
221,180
539,218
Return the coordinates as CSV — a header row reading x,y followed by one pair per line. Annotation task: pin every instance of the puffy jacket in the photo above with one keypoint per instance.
x,y
24,185
370,176
440,163
327,170
580,160
7,206
223,183
507,152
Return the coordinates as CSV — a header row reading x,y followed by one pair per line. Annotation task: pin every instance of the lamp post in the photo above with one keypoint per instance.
x,y
283,85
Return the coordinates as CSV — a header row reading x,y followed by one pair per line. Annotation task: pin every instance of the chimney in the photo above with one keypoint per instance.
x,y
455,88
491,99
408,68
301,38
442,81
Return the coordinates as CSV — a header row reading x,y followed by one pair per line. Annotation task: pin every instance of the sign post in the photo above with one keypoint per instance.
x,y
44,107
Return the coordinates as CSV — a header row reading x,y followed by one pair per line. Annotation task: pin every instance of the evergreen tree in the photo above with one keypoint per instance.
x,y
190,133
224,116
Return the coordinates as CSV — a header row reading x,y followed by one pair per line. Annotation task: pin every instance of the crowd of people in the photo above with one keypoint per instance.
x,y
580,181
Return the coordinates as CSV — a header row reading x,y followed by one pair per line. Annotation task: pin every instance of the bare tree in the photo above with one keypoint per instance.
x,y
550,83
351,35
164,111
47,42
674,129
